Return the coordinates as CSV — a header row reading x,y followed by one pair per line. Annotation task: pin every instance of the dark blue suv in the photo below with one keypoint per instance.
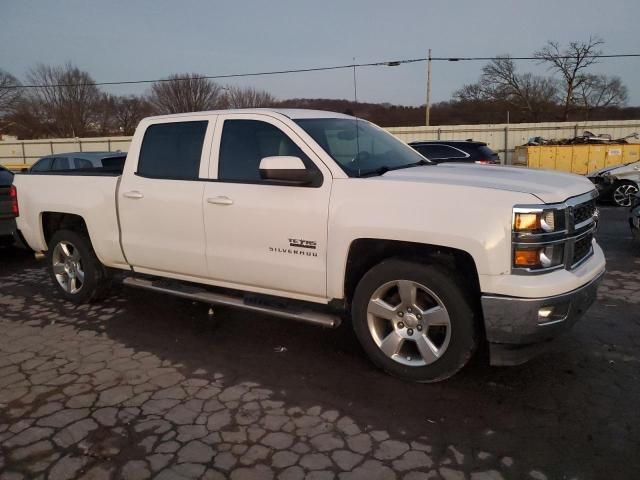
x,y
461,151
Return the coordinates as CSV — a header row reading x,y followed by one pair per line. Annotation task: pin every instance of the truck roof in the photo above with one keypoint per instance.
x,y
292,113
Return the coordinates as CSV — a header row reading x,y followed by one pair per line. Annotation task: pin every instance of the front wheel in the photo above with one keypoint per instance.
x,y
414,321
74,267
624,192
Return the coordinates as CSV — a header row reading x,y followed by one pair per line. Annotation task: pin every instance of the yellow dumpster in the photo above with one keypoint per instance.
x,y
631,152
580,159
16,167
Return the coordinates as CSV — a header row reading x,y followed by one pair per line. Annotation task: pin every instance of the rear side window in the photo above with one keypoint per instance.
x,y
82,163
60,163
172,150
487,152
42,165
245,142
114,163
440,152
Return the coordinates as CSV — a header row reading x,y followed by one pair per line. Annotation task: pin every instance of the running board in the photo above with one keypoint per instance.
x,y
201,295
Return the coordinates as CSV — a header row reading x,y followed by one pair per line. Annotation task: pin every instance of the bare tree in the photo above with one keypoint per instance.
x,y
570,63
128,111
599,91
65,99
186,93
9,91
528,93
248,97
104,121
25,119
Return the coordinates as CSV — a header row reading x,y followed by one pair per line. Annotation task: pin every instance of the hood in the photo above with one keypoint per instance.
x,y
597,173
548,186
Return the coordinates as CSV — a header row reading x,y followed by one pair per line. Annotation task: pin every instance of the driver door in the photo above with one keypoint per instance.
x,y
262,235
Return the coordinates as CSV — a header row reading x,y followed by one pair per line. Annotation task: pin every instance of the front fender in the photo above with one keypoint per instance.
x,y
471,219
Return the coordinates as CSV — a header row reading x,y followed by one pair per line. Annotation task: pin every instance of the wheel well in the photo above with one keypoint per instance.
x,y
626,181
54,221
365,253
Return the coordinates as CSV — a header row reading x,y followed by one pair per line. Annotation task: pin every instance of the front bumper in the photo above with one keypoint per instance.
x,y
516,332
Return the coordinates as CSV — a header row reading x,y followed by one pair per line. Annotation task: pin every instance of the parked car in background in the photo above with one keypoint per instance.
x,y
618,183
80,161
461,151
8,208
634,217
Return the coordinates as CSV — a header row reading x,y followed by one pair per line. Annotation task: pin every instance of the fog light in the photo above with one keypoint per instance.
x,y
553,313
544,314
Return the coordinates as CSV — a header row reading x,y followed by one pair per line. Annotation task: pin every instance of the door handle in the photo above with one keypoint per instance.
x,y
133,194
220,200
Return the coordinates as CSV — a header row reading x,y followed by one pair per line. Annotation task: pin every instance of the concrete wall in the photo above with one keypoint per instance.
x,y
502,138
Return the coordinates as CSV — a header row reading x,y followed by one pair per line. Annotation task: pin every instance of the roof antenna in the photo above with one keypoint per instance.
x,y
355,99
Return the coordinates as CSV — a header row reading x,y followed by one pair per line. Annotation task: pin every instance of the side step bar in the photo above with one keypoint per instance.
x,y
201,295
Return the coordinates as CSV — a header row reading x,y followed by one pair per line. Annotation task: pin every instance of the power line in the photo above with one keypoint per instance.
x,y
392,63
562,57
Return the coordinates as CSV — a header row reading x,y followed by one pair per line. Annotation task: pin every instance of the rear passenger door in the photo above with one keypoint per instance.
x,y
160,203
261,235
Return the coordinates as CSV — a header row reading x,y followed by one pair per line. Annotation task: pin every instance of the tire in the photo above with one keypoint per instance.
x,y
623,193
438,316
74,268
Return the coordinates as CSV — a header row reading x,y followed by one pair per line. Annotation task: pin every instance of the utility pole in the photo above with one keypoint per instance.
x,y
428,89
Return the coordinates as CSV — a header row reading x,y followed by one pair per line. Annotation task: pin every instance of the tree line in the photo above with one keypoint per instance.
x,y
66,102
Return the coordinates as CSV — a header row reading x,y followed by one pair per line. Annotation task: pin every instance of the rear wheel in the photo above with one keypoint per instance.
x,y
74,267
414,321
624,192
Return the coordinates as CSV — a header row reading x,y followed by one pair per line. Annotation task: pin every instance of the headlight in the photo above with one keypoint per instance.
x,y
543,221
536,258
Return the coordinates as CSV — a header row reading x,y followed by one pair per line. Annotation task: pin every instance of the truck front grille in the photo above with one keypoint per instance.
x,y
584,212
582,248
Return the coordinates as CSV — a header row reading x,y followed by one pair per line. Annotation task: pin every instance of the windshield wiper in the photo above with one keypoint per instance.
x,y
376,171
384,169
419,163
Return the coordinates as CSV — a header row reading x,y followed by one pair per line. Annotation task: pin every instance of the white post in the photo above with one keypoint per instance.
x,y
427,120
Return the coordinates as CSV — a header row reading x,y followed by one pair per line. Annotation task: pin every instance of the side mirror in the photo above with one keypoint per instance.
x,y
288,170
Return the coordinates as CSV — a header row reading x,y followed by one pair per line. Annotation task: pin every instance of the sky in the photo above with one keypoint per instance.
x,y
148,39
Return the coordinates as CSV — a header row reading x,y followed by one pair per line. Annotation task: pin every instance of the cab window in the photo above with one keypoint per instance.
x,y
172,150
245,142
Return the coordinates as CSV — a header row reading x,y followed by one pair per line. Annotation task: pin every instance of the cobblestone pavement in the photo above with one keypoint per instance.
x,y
143,385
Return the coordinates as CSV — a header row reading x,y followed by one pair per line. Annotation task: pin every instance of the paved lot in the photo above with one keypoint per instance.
x,y
143,385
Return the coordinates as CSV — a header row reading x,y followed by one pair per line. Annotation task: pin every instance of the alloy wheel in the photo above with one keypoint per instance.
x,y
623,194
409,323
67,267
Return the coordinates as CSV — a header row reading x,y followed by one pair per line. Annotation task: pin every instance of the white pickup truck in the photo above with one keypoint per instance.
x,y
318,216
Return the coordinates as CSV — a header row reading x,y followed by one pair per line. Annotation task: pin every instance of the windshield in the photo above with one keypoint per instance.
x,y
365,151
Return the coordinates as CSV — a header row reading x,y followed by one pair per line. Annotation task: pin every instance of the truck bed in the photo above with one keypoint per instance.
x,y
88,194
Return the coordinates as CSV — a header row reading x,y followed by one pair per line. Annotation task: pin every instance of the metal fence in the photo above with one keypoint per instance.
x,y
502,138
15,152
